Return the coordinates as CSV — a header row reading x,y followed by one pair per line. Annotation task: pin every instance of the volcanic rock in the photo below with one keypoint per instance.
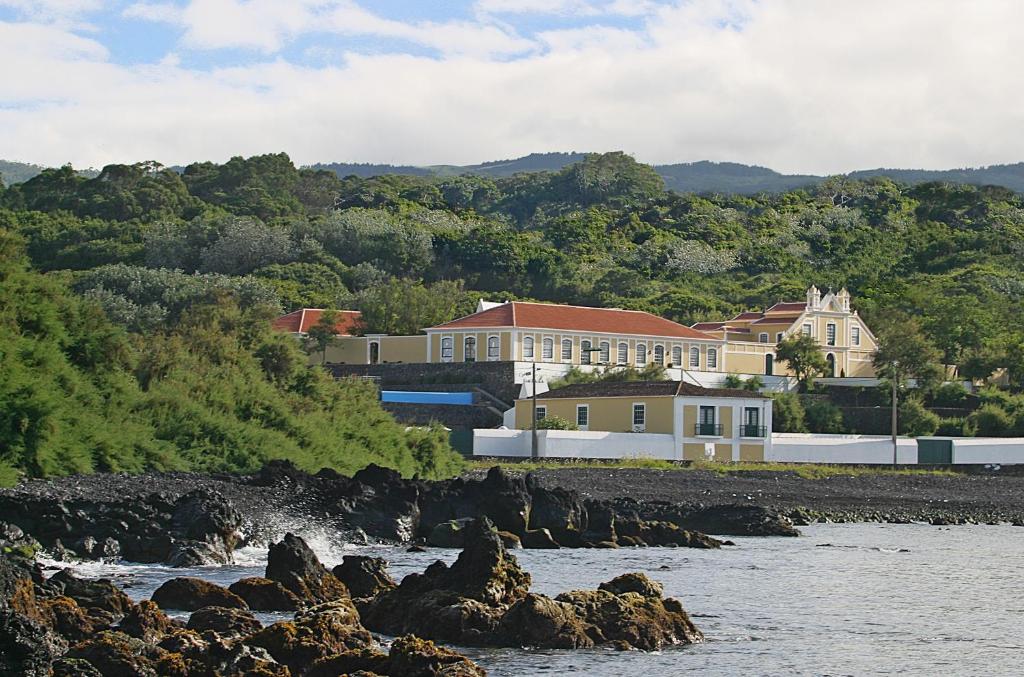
x,y
364,576
188,594
292,564
263,594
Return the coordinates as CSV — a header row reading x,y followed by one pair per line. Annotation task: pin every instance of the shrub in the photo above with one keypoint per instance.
x,y
990,421
949,395
555,423
787,414
951,427
915,420
823,417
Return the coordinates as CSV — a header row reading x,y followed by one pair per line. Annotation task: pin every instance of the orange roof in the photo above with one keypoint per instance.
x,y
575,318
299,321
777,319
709,326
749,315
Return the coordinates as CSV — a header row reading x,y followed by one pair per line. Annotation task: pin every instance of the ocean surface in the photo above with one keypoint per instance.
x,y
844,599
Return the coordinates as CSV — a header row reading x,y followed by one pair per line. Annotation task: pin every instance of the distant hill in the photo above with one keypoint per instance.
x,y
685,177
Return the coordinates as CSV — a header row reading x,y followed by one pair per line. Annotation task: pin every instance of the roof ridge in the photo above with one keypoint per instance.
x,y
571,305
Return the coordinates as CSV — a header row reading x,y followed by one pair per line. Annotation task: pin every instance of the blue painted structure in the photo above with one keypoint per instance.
x,y
414,397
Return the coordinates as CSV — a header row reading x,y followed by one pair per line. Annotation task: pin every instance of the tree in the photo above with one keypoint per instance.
x,y
405,307
321,335
787,414
915,420
803,356
904,352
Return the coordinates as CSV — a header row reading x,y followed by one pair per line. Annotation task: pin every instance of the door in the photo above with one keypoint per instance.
x,y
769,364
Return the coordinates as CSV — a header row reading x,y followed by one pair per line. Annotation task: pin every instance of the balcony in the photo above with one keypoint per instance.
x,y
708,430
753,431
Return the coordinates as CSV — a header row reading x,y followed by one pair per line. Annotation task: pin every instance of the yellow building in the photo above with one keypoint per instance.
x,y
573,335
750,338
703,423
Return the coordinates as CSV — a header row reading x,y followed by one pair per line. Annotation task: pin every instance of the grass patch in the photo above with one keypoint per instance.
x,y
810,471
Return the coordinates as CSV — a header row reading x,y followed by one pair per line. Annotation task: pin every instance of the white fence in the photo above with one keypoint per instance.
x,y
573,444
1006,451
852,449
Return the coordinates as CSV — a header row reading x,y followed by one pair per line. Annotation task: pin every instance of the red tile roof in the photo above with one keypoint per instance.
x,y
788,307
575,318
299,321
777,319
749,315
709,326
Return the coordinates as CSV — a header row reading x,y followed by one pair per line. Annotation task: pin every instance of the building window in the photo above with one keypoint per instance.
x,y
712,358
830,334
566,350
623,353
547,349
584,352
493,348
528,348
778,338
752,423
806,329
542,412
677,356
639,416
769,365
606,352
447,345
582,416
762,337
641,353
694,358
374,352
470,349
706,424
659,355
855,336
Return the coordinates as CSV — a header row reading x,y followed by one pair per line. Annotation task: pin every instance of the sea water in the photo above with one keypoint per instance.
x,y
849,599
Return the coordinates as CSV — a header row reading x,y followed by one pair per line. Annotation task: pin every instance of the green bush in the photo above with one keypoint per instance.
x,y
951,427
949,395
555,423
990,420
915,420
823,417
787,414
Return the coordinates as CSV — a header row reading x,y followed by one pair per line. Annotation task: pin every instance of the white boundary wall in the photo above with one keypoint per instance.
x,y
573,444
1003,450
846,449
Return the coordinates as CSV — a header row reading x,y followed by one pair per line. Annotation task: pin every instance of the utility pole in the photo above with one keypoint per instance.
x,y
895,385
533,396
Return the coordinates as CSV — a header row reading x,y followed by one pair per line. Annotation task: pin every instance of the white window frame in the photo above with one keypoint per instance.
x,y
623,353
830,336
641,354
493,341
642,425
451,349
586,408
547,349
807,329
542,412
694,353
605,356
779,336
677,356
566,343
855,336
712,359
762,337
586,357
466,340
661,360
528,353
743,421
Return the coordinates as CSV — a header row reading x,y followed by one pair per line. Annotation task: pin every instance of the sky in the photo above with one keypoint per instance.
x,y
801,86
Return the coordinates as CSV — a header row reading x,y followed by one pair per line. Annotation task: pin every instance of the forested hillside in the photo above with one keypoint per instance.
x,y
179,370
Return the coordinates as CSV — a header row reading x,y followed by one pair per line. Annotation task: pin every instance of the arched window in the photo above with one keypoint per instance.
x,y
762,337
712,358
830,370
677,356
447,345
528,348
695,358
769,365
659,355
585,352
566,350
606,352
641,353
470,348
623,356
493,348
547,349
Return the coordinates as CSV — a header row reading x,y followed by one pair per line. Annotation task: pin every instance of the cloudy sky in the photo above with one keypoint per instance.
x,y
797,85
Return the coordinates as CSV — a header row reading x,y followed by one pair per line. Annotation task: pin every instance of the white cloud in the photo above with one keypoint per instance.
x,y
796,85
